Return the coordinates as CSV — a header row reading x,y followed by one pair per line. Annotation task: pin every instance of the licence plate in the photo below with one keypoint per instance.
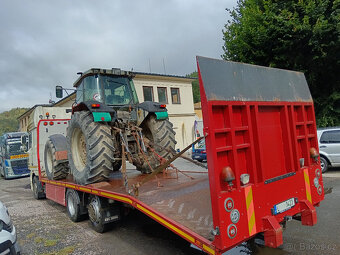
x,y
284,206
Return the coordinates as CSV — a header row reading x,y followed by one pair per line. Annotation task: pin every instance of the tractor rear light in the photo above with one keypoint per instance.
x,y
95,105
228,175
244,178
51,123
163,106
45,123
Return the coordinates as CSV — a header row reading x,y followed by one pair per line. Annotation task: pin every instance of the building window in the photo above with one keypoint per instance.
x,y
162,95
148,93
175,96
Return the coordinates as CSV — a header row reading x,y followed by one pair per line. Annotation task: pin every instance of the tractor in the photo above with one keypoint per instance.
x,y
107,121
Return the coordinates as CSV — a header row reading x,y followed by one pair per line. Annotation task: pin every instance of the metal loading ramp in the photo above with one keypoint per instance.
x,y
260,128
231,81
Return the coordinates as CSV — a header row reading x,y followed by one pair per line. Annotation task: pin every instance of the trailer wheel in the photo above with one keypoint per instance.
x,y
56,169
38,191
96,217
90,149
158,132
73,205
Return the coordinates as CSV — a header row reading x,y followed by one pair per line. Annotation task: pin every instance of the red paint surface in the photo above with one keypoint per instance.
x,y
264,140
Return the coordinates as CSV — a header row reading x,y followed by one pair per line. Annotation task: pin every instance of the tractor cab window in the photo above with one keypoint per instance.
x,y
117,90
91,89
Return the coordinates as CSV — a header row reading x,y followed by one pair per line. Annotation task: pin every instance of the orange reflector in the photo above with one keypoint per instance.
x,y
95,105
47,114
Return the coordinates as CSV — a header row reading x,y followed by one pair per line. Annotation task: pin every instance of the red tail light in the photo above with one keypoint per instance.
x,y
163,105
45,123
51,123
95,105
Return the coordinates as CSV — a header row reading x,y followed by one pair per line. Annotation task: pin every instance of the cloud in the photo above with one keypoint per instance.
x,y
45,43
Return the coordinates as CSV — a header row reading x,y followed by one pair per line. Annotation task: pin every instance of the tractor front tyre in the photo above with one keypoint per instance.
x,y
161,133
56,167
90,149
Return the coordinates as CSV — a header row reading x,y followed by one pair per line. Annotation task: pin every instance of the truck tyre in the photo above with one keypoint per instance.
x,y
96,214
75,210
159,132
56,169
38,191
90,149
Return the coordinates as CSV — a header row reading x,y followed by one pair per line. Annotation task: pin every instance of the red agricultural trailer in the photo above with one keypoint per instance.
x,y
263,165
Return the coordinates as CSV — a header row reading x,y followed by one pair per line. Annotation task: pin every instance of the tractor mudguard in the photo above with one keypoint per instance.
x,y
152,107
148,107
100,112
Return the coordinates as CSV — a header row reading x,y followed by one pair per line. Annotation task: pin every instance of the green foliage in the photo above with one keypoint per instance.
x,y
301,35
195,87
9,120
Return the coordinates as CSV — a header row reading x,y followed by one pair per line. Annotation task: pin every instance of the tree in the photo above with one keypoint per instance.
x,y
9,120
195,87
301,35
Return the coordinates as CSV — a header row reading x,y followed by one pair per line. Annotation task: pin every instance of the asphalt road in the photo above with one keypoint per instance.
x,y
44,228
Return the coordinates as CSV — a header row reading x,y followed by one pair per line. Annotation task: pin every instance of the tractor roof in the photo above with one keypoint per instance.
x,y
93,71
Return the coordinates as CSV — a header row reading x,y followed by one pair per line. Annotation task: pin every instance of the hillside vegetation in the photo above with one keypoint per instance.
x,y
9,120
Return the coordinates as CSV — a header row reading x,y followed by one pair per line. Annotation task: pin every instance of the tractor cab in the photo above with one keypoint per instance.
x,y
113,88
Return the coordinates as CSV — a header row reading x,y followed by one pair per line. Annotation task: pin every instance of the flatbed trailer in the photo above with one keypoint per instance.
x,y
263,167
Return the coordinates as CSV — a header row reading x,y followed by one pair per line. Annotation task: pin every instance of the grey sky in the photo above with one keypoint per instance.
x,y
45,43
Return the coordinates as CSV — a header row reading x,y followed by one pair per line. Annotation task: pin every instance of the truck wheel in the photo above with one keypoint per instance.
x,y
324,164
56,169
38,191
90,149
158,132
96,217
75,211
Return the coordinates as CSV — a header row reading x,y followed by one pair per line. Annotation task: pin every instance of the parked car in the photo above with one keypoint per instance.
x,y
199,152
329,147
8,234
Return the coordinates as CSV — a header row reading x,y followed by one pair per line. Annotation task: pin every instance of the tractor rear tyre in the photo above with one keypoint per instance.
x,y
90,149
159,132
55,168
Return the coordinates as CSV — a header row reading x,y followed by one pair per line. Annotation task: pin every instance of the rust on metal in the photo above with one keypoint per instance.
x,y
60,155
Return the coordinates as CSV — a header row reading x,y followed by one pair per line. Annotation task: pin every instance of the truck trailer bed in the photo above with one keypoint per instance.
x,y
180,200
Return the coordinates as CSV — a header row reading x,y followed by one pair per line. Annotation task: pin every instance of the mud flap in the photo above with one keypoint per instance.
x,y
308,213
272,232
